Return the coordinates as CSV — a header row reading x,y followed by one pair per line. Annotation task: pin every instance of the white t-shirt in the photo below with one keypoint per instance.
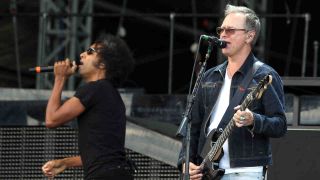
x,y
217,114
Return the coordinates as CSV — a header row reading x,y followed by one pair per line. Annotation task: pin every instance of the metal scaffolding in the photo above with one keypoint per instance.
x,y
65,29
62,37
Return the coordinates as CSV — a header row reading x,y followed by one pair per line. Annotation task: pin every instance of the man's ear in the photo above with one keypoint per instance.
x,y
250,36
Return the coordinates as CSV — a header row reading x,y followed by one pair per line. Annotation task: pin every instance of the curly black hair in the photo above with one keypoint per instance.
x,y
117,57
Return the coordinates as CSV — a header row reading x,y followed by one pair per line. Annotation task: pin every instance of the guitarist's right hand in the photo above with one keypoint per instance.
x,y
195,171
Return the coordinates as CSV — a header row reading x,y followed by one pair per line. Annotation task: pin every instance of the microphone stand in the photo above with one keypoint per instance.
x,y
183,130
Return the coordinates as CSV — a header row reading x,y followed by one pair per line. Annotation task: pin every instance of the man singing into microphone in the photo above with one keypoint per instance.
x,y
246,152
98,107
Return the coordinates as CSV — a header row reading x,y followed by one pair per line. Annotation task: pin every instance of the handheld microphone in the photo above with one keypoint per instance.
x,y
218,42
42,69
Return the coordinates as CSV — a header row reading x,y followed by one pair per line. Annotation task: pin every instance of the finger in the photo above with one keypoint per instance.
x,y
237,122
44,167
74,67
60,61
47,166
196,177
239,125
236,117
238,114
74,63
49,174
193,166
67,61
236,108
194,170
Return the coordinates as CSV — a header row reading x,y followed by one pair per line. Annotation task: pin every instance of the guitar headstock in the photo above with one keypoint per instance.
x,y
262,86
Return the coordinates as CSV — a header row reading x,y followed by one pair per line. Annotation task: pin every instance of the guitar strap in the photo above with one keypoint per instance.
x,y
238,95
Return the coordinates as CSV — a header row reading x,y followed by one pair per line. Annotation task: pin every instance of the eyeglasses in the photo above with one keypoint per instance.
x,y
90,50
228,31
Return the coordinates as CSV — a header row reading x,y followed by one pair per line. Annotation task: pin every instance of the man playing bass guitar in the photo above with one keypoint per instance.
x,y
246,153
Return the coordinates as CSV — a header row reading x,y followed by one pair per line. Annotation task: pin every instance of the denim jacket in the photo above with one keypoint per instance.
x,y
250,145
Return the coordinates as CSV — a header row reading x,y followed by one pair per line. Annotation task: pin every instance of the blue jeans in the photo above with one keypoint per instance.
x,y
243,176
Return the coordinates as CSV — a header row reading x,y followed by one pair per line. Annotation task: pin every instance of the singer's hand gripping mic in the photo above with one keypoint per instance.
x,y
41,69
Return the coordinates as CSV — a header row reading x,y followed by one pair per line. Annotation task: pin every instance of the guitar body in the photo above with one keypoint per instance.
x,y
212,174
210,142
211,170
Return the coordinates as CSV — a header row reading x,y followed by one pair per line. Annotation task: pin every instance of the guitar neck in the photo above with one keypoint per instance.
x,y
225,134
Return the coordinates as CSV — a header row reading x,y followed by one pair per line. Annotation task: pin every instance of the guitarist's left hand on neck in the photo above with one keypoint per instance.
x,y
243,118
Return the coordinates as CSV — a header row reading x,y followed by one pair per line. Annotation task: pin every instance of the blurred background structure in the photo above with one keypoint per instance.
x,y
164,36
